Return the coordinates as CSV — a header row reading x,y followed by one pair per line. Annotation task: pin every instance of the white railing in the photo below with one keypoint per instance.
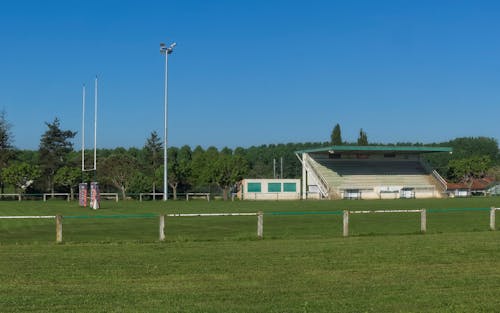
x,y
423,218
110,194
206,195
260,219
320,181
152,194
52,195
57,217
442,182
17,195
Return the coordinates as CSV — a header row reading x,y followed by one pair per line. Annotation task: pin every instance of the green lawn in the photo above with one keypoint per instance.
x,y
217,264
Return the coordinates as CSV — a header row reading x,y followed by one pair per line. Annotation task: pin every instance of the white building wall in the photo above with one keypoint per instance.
x,y
271,189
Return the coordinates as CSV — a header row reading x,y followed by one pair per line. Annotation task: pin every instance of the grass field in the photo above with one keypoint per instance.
x,y
217,264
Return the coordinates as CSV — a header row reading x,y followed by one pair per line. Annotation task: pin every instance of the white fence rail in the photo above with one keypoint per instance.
x,y
113,195
16,195
52,195
260,219
345,220
58,219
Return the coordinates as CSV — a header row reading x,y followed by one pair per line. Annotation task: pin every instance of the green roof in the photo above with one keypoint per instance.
x,y
380,149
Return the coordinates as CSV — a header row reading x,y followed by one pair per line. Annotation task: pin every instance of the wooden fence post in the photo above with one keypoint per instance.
x,y
423,221
58,228
162,227
260,225
346,223
492,218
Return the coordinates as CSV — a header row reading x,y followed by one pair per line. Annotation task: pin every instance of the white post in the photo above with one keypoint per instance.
x,y
304,177
83,129
162,227
346,223
165,133
492,218
260,225
95,126
423,221
58,228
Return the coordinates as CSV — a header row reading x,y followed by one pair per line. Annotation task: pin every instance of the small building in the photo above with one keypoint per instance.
x,y
270,189
478,186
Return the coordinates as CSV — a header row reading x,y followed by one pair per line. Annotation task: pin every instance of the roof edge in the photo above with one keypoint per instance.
x,y
417,149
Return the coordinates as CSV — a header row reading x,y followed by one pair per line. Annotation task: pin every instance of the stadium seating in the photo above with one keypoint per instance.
x,y
374,178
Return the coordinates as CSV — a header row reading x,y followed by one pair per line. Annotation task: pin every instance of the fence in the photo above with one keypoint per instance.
x,y
260,218
52,195
345,220
59,220
153,196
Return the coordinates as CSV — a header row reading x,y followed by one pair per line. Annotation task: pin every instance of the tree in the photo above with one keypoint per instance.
x,y
68,177
153,155
179,167
336,136
466,170
363,138
119,170
494,172
140,183
21,175
55,145
6,147
227,171
202,166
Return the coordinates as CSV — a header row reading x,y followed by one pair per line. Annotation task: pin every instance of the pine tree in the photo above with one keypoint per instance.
x,y
55,146
363,138
336,136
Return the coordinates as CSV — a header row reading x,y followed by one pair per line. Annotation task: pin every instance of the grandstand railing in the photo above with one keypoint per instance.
x,y
319,179
442,182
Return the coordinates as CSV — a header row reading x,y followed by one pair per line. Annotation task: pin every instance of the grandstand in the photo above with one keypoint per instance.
x,y
370,172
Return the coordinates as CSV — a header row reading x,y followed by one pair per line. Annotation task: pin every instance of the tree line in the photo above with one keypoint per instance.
x,y
56,165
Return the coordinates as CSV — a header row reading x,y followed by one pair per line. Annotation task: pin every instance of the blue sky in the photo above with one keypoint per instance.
x,y
253,72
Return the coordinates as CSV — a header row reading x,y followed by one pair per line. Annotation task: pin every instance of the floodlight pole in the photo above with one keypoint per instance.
x,y
83,130
166,50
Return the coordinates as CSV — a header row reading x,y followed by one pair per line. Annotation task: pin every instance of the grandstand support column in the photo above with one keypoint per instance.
x,y
304,177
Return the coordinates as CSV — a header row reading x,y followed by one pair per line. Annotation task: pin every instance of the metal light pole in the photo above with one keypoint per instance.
x,y
166,51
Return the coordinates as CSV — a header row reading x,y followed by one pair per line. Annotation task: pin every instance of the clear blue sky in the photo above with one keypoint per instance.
x,y
253,72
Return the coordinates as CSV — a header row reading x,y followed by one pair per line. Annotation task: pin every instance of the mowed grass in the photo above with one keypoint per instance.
x,y
217,264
